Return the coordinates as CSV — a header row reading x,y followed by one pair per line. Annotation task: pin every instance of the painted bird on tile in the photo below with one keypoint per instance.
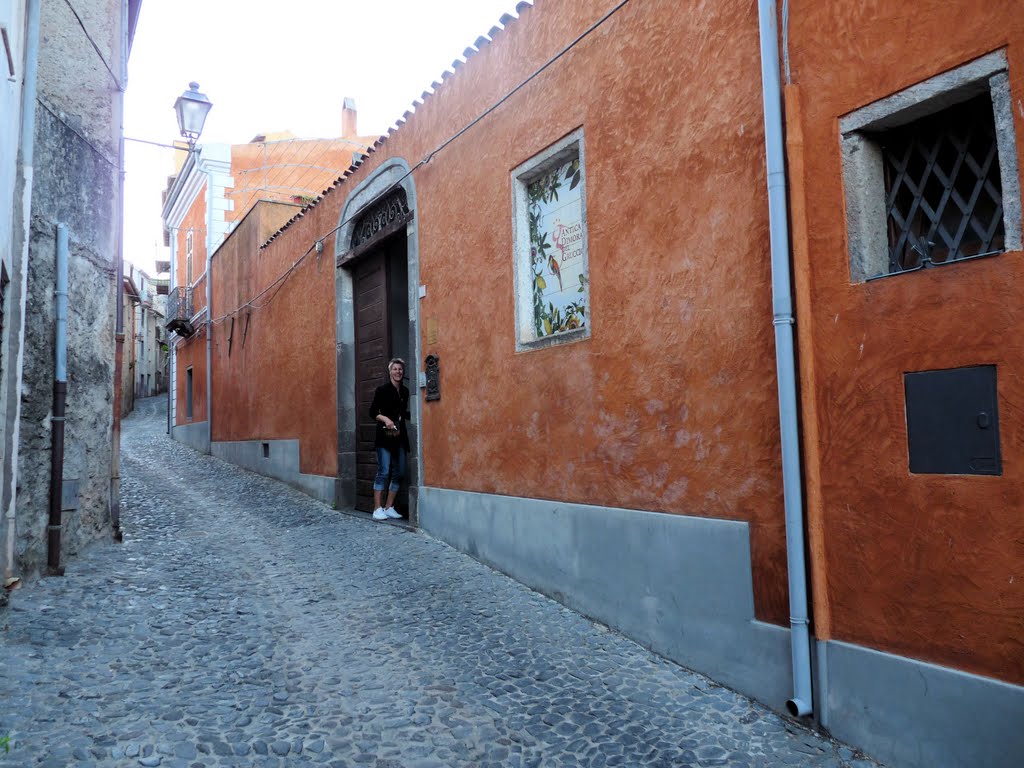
x,y
555,270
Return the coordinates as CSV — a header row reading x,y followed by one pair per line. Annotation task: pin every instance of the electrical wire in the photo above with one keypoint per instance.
x,y
321,150
283,165
430,156
95,47
284,185
77,133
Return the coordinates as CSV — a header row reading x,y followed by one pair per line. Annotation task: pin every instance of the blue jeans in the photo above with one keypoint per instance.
x,y
387,465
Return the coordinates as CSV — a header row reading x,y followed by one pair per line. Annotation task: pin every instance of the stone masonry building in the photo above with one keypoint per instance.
x,y
70,77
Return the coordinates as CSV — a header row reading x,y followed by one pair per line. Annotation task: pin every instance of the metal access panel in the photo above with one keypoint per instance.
x,y
953,422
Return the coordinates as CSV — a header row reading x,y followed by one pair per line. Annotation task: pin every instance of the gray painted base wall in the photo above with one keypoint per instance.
x,y
680,586
282,464
909,713
195,435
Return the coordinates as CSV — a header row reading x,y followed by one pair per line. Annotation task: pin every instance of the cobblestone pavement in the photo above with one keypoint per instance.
x,y
243,624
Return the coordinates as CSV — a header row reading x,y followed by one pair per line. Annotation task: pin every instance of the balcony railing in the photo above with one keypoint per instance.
x,y
179,311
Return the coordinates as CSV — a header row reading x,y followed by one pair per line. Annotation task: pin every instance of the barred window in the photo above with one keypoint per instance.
x,y
930,173
944,198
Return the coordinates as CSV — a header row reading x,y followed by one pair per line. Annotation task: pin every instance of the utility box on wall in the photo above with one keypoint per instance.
x,y
953,421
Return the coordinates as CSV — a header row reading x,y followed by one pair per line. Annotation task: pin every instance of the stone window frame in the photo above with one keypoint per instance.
x,y
569,147
862,160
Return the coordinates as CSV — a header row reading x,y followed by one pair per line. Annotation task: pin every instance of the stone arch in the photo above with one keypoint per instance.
x,y
394,172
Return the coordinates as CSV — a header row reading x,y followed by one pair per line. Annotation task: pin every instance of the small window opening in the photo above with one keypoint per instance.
x,y
942,185
266,450
930,173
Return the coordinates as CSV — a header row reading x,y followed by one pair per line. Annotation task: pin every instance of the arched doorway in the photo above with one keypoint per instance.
x,y
376,285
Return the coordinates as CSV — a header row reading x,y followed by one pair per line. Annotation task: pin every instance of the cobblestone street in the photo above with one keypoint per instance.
x,y
241,623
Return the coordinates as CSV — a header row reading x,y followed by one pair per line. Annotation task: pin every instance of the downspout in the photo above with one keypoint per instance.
x,y
115,446
785,362
27,149
209,310
171,351
60,392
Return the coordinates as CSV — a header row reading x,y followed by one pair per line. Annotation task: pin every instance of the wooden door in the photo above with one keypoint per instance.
x,y
370,291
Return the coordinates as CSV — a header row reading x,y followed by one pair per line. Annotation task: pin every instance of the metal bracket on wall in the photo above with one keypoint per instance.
x,y
433,367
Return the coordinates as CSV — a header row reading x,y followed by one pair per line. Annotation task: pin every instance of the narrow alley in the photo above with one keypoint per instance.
x,y
242,623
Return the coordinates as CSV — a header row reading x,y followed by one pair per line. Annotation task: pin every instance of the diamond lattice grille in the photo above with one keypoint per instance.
x,y
944,198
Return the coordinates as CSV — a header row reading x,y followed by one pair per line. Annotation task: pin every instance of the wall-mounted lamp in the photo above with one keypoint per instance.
x,y
192,107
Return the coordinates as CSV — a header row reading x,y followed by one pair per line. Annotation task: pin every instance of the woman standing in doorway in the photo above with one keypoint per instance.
x,y
390,408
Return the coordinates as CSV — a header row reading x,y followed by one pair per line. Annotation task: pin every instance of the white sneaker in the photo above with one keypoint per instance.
x,y
380,514
390,512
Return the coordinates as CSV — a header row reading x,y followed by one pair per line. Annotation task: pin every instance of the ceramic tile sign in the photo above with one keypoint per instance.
x,y
558,250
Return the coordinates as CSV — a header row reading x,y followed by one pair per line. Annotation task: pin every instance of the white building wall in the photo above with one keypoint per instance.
x,y
12,24
12,240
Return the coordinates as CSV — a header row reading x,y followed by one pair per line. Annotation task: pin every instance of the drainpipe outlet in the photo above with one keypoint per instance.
x,y
798,707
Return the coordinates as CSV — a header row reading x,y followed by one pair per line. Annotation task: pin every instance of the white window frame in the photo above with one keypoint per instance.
x,y
863,174
563,150
188,259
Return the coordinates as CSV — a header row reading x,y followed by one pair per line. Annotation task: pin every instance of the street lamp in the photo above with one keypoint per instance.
x,y
192,107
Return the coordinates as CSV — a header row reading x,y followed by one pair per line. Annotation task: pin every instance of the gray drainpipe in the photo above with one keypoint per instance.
x,y
60,390
17,315
115,452
209,310
782,306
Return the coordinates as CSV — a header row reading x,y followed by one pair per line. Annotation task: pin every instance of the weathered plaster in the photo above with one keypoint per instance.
x,y
89,412
266,389
76,184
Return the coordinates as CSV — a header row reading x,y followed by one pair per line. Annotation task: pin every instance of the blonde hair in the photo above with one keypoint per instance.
x,y
394,360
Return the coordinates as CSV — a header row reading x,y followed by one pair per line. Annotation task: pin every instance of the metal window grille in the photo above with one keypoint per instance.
x,y
944,197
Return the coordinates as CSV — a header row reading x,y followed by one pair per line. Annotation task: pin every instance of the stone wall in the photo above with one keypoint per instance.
x,y
75,184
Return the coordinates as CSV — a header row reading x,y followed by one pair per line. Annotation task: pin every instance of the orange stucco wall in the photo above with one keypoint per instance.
x,y
928,566
671,404
194,221
273,361
249,383
191,353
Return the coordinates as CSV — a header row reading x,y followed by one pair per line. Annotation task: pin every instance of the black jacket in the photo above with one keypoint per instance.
x,y
393,403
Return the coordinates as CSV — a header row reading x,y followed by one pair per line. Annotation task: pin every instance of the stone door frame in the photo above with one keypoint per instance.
x,y
391,172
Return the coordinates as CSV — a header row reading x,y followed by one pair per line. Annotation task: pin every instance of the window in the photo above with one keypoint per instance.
x,y
550,236
188,259
930,173
188,394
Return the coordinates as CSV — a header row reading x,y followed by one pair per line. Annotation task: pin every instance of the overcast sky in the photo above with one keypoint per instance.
x,y
268,66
